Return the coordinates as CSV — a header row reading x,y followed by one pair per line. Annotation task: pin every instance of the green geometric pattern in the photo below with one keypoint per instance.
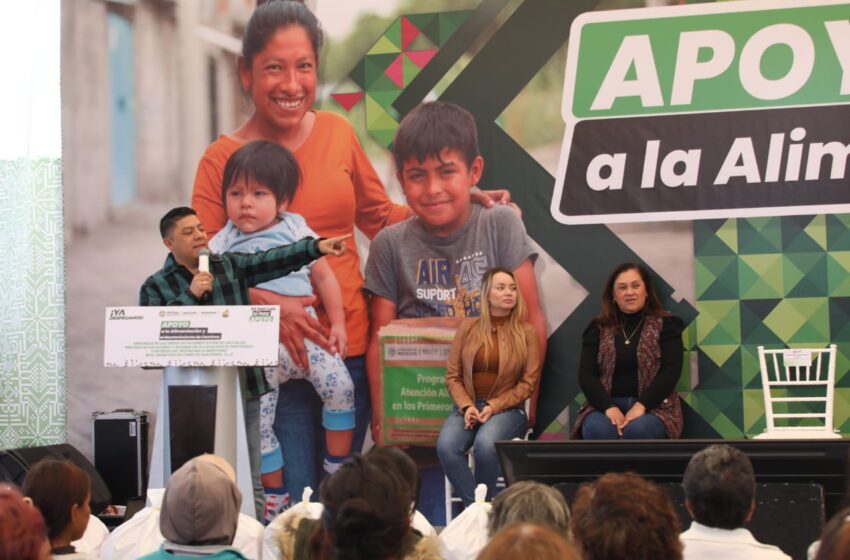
x,y
391,63
778,282
32,304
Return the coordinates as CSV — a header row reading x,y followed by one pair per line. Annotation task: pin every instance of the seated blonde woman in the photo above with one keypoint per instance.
x,y
493,367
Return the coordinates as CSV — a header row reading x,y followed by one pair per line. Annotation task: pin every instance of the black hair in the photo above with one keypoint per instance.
x,y
610,315
720,486
393,458
274,15
432,127
366,511
169,221
267,163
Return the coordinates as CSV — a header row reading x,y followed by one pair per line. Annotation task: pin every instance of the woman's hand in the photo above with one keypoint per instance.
x,y
615,415
485,414
494,197
470,417
295,324
636,411
490,198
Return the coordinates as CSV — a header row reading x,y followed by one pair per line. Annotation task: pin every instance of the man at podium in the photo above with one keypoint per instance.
x,y
188,279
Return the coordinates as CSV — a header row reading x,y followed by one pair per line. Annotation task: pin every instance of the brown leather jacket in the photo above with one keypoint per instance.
x,y
515,381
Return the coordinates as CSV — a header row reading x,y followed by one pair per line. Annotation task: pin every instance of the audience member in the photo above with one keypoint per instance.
x,y
720,492
834,525
625,517
530,502
395,458
523,502
528,541
140,535
366,516
93,537
62,492
23,533
388,459
835,538
200,512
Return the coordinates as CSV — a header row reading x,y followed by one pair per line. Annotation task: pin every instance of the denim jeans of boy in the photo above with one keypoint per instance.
x,y
598,426
298,427
454,442
251,410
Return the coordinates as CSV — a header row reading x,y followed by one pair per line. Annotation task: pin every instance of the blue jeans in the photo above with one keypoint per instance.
x,y
454,442
251,409
598,426
298,427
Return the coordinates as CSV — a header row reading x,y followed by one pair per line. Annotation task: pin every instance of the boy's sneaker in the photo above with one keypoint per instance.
x,y
275,505
332,464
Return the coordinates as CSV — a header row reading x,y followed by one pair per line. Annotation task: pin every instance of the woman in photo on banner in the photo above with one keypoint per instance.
x,y
339,189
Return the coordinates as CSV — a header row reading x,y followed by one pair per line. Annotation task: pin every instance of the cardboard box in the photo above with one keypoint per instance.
x,y
414,401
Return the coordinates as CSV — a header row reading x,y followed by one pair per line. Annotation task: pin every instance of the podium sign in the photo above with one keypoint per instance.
x,y
191,336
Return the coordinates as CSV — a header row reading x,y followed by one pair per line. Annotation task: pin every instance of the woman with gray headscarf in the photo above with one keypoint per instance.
x,y
200,512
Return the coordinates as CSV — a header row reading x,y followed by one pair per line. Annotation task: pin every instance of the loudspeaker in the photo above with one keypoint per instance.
x,y
14,464
11,470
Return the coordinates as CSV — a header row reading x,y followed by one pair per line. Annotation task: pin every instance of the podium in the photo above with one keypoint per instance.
x,y
202,350
229,439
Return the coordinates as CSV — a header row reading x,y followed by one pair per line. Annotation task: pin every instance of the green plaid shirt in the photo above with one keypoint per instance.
x,y
234,273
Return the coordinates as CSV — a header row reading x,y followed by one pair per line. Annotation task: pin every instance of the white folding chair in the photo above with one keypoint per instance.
x,y
796,377
451,497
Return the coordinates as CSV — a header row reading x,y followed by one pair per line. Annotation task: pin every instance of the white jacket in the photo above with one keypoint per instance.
x,y
709,543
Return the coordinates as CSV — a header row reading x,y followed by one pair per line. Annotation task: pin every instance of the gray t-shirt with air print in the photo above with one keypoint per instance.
x,y
429,276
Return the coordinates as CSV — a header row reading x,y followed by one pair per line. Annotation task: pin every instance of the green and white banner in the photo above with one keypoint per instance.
x,y
191,336
724,110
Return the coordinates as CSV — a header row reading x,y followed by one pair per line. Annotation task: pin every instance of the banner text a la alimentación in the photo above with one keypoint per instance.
x,y
706,111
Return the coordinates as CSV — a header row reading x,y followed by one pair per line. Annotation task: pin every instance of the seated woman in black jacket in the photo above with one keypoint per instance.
x,y
631,359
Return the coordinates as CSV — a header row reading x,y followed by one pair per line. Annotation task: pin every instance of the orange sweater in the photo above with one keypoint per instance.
x,y
339,189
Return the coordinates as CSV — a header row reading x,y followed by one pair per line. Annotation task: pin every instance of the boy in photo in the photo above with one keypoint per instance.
x,y
432,264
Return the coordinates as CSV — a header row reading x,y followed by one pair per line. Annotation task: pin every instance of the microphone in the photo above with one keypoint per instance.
x,y
204,260
204,266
